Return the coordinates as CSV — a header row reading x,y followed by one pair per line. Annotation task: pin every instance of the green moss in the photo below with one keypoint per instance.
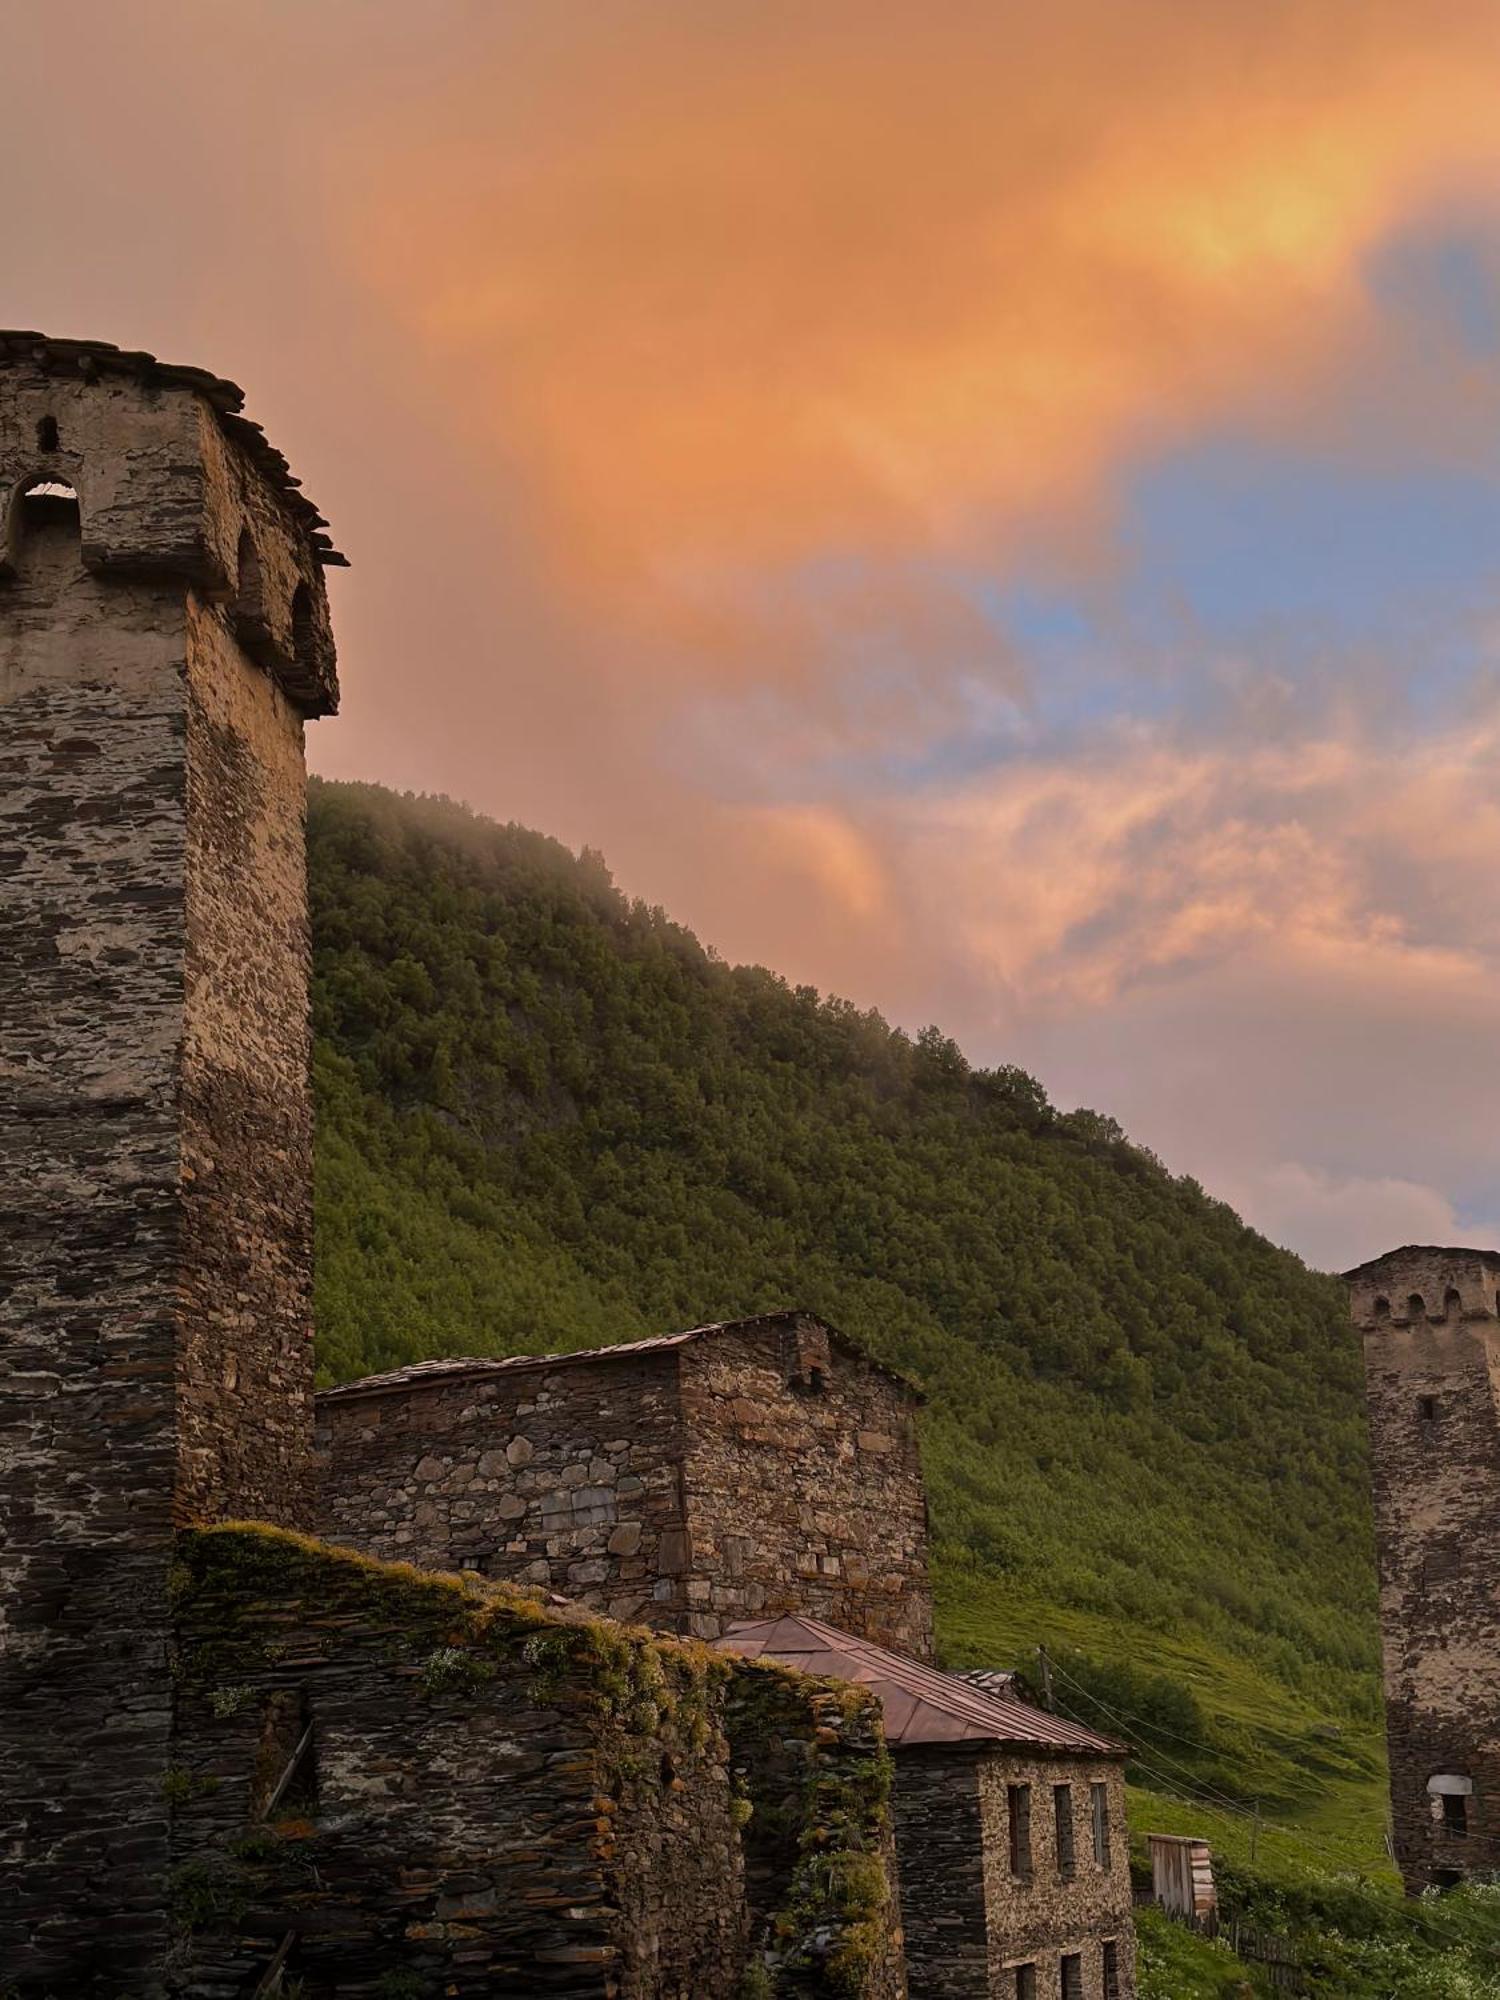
x,y
180,1786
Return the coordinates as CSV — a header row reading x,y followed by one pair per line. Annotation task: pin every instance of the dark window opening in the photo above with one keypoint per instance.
x,y
1455,1815
1446,1878
1111,1970
1072,1975
1416,1306
1062,1806
1427,1409
668,1773
46,434
815,1381
1018,1807
1453,1305
1382,1309
1026,1982
1099,1799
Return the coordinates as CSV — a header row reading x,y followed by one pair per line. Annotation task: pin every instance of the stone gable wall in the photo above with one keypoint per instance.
x,y
1048,1916
1436,1480
801,1498
567,1478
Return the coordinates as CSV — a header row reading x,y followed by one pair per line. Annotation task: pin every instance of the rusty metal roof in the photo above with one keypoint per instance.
x,y
922,1705
89,359
428,1374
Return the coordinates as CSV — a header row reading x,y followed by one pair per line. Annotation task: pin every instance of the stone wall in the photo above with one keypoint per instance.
x,y
969,1920
92,854
1432,1373
497,1796
1037,1921
803,1484
565,1476
738,1472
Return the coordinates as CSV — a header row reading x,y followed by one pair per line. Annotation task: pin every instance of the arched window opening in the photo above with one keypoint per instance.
x,y
247,590
1381,1309
46,434
304,632
1416,1306
1453,1305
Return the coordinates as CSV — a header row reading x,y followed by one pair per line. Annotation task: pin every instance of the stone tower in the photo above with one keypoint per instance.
x,y
164,635
1432,1369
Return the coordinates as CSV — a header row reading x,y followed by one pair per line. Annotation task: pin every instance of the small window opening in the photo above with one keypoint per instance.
x,y
1446,1878
1072,1975
1427,1409
1453,1305
668,1773
46,434
1062,1807
1381,1309
1018,1811
1416,1306
1455,1814
815,1381
1099,1801
1026,1982
1111,1956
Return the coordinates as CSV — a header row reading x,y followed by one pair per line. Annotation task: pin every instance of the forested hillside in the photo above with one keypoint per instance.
x,y
549,1118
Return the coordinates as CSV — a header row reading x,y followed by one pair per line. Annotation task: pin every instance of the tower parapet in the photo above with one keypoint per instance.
x,y
1429,1317
164,634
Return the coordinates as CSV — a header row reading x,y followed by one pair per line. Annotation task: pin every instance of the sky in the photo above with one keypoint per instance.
x,y
992,511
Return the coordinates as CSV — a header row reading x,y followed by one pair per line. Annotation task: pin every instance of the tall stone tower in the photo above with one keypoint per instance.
x,y
164,635
1432,1371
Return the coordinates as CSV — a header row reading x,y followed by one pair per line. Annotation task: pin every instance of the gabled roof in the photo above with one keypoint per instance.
x,y
429,1374
921,1704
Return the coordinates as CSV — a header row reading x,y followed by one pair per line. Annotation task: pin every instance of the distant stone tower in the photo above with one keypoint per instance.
x,y
163,635
1432,1369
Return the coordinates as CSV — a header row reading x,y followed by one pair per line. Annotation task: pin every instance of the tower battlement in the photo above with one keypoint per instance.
x,y
171,481
1424,1282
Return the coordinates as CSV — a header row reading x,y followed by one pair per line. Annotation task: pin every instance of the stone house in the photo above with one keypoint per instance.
x,y
723,1473
1429,1319
1010,1826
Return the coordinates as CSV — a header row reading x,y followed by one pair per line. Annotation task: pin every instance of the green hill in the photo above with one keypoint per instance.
x,y
550,1118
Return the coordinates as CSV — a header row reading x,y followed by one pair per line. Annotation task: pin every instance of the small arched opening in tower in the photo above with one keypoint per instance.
x,y
47,439
36,506
1416,1307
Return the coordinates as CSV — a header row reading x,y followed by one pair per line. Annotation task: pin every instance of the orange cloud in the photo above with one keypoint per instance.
x,y
733,287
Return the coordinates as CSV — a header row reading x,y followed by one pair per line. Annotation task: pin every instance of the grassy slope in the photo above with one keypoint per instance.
x,y
550,1119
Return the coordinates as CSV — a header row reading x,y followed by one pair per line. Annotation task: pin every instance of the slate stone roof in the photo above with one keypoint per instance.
x,y
426,1374
921,1704
90,359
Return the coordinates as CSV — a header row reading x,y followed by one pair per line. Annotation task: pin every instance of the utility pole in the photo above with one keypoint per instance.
x,y
1044,1665
1255,1833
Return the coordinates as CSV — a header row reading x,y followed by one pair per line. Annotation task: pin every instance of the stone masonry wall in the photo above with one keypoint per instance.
x,y
92,847
245,1358
939,1845
803,1485
1432,1374
1039,1920
495,1798
566,1476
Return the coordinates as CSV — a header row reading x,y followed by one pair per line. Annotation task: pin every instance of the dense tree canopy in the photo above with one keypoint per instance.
x,y
549,1118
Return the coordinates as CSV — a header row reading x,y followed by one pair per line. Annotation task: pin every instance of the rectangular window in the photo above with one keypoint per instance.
x,y
1072,1975
1427,1409
1026,1982
1099,1797
1018,1801
1062,1806
1455,1814
1111,1970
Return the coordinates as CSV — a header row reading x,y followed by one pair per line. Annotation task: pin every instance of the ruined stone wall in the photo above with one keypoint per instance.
x,y
1432,1373
568,1477
803,1483
92,928
495,1797
245,1358
939,1847
1039,1920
